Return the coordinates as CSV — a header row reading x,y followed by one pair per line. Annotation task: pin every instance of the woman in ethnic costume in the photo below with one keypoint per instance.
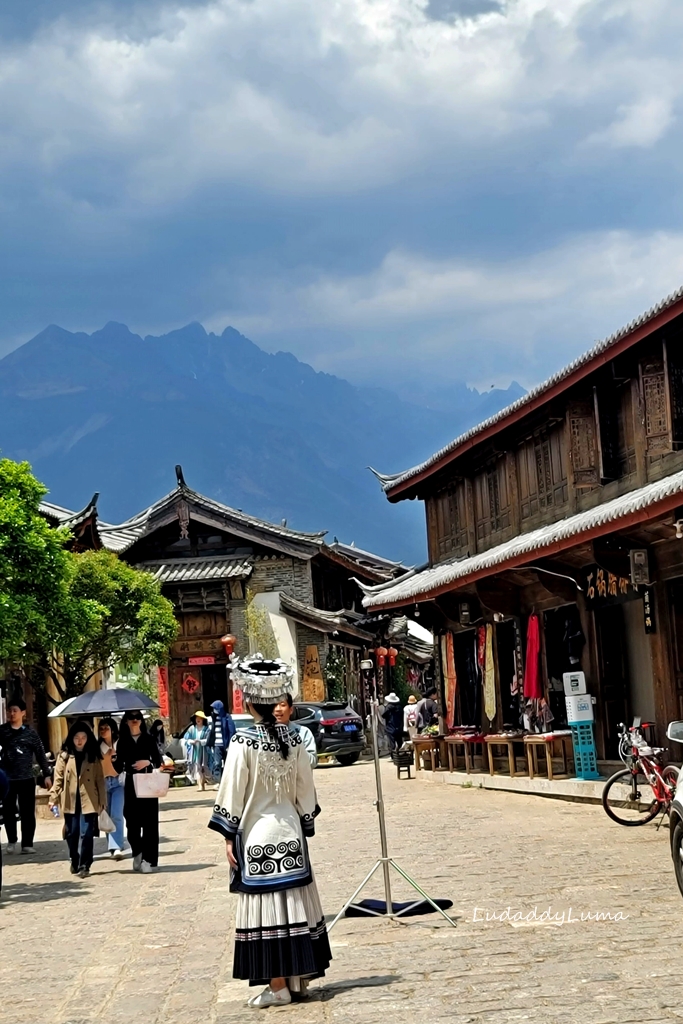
x,y
265,810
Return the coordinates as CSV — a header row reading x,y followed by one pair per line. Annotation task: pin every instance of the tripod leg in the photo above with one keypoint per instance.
x,y
356,893
411,881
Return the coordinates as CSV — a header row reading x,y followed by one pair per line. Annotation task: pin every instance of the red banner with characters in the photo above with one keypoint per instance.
x,y
162,687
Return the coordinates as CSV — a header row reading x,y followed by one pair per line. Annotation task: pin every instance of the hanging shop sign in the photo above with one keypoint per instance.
x,y
603,587
162,690
313,684
197,645
649,611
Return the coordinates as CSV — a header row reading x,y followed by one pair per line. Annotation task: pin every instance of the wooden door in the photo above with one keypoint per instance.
x,y
614,683
676,606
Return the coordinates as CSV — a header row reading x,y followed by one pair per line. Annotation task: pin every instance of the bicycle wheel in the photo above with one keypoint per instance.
x,y
629,800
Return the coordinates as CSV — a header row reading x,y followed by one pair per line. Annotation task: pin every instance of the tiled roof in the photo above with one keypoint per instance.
x,y
121,537
327,622
521,549
198,570
389,481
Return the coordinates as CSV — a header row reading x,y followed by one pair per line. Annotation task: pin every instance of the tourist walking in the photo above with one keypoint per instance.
x,y
4,790
222,731
80,793
410,717
197,752
392,713
108,732
137,753
158,734
20,747
427,710
265,810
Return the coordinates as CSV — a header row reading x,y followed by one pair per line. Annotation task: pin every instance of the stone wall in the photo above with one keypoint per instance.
x,y
292,575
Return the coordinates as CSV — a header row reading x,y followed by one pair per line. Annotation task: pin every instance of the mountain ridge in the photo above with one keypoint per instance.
x,y
113,411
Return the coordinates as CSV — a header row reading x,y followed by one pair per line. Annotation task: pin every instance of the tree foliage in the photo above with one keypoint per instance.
x,y
114,614
33,567
73,614
259,630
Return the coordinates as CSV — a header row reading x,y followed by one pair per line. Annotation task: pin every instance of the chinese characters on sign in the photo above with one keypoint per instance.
x,y
193,646
602,586
649,611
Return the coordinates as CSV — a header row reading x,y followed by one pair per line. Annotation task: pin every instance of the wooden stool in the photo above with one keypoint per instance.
x,y
533,742
501,740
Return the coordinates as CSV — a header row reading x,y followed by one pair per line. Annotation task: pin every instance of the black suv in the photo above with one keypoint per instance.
x,y
337,728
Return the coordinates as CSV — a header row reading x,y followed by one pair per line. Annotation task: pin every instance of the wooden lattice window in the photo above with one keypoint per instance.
x,y
653,383
583,449
447,522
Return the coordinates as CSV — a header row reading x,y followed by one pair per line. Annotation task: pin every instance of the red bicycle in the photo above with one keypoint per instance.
x,y
643,789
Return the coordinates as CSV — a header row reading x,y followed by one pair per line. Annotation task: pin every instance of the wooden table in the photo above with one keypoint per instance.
x,y
534,741
463,740
422,743
502,740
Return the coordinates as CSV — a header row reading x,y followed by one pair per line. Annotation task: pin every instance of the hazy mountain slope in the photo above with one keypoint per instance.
x,y
114,412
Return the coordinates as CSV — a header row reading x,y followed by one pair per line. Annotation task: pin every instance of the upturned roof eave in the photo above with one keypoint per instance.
x,y
398,486
559,537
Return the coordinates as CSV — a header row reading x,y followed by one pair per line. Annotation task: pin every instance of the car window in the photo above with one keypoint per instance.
x,y
330,713
302,711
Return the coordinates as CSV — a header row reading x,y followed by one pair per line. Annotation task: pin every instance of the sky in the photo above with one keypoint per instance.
x,y
402,192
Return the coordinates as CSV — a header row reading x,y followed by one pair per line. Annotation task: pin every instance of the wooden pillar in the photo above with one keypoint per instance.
x,y
56,727
663,682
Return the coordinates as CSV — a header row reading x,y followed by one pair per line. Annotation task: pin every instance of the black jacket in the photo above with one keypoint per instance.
x,y
19,748
128,751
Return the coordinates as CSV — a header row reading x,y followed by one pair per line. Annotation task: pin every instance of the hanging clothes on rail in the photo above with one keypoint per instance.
x,y
489,676
450,677
533,688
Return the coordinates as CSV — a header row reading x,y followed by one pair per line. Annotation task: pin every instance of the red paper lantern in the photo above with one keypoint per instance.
x,y
392,654
228,642
381,654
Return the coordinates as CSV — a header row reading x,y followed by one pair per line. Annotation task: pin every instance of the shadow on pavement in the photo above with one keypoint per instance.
x,y
180,805
326,992
41,892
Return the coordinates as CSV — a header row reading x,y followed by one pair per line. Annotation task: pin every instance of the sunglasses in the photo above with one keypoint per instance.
x,y
134,718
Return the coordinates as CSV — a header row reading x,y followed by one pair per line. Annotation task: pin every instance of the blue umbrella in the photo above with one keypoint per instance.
x,y
104,702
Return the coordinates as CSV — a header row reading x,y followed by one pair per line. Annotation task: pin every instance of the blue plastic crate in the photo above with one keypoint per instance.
x,y
585,754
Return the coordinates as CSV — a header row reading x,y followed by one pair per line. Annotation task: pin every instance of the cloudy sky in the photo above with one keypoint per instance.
x,y
397,191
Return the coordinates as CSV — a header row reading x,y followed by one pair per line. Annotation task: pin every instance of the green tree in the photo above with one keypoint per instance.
x,y
259,630
34,567
113,614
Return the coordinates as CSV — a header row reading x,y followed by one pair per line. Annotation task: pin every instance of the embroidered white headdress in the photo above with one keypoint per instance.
x,y
263,680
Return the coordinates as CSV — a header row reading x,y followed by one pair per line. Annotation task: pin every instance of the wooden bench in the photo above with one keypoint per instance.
x,y
507,742
467,741
533,742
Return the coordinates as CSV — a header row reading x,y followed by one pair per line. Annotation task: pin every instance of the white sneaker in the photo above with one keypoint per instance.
x,y
28,849
11,848
137,862
146,868
116,854
270,998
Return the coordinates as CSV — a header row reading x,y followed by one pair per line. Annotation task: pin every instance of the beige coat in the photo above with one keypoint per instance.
x,y
93,792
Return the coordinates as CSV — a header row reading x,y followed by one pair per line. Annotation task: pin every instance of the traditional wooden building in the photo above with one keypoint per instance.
x,y
567,507
211,560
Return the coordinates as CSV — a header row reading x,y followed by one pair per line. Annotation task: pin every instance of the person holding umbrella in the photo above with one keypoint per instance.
x,y
137,753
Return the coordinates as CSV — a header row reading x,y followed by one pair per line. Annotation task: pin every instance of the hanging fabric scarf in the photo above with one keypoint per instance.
x,y
532,671
450,677
489,676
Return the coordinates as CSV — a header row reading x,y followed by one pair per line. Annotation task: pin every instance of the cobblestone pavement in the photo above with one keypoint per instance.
x,y
123,947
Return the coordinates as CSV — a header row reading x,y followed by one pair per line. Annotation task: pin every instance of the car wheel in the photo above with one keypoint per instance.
x,y
347,759
677,854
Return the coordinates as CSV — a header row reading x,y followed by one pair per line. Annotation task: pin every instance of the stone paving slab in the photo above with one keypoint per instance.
x,y
157,948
